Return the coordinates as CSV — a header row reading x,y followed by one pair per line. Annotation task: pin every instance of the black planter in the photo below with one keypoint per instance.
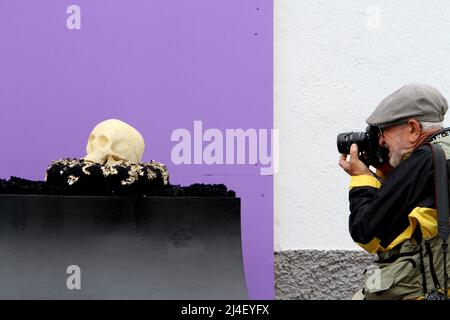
x,y
125,247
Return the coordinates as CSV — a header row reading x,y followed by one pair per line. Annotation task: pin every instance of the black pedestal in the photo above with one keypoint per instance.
x,y
125,247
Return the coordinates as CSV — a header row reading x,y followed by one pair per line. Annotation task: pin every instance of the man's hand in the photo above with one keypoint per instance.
x,y
354,167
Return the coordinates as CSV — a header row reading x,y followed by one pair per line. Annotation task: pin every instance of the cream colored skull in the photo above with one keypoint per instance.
x,y
113,142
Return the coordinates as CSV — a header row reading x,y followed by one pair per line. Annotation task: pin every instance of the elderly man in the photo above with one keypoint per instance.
x,y
395,216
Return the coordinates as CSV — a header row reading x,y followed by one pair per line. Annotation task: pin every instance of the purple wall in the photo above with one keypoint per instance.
x,y
158,65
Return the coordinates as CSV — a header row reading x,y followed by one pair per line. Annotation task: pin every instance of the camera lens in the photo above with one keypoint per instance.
x,y
346,139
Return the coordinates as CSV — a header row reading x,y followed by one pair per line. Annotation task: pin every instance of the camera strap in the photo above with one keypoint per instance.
x,y
442,204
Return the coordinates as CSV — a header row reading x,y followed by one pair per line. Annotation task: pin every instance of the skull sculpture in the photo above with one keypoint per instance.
x,y
113,142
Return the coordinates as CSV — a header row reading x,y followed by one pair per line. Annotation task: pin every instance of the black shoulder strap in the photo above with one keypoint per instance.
x,y
441,190
442,205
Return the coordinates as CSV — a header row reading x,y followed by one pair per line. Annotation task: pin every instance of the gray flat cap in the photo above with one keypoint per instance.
x,y
413,101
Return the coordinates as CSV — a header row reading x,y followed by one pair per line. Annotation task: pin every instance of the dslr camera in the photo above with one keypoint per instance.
x,y
370,152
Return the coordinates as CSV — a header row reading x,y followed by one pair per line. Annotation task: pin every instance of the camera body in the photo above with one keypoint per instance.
x,y
370,152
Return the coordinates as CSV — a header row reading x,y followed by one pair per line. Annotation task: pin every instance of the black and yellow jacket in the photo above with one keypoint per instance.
x,y
397,220
384,215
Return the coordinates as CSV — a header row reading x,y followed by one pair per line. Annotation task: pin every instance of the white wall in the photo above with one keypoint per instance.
x,y
334,62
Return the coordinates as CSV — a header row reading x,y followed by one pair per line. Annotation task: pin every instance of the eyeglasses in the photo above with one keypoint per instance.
x,y
382,128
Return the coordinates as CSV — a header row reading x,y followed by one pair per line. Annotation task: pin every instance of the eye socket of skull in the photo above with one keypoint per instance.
x,y
102,141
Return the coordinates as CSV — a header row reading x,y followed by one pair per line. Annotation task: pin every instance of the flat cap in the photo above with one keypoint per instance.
x,y
412,101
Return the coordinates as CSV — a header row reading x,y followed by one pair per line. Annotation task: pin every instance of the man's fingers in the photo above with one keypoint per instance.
x,y
354,167
343,162
354,153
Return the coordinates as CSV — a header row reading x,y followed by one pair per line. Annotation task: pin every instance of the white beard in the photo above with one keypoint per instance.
x,y
395,159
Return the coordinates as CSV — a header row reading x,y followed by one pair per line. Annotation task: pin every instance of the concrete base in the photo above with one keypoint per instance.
x,y
319,275
124,248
